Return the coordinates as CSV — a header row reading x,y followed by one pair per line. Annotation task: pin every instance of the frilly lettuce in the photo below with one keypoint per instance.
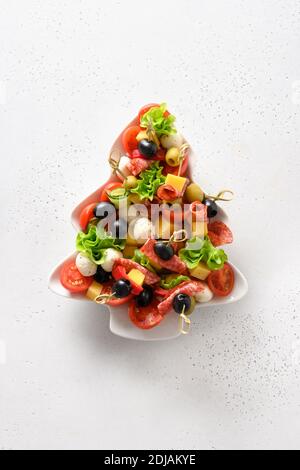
x,y
95,243
197,250
143,260
162,125
149,182
170,284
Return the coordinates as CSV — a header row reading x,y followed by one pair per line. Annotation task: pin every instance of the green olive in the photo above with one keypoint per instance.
x,y
135,199
192,307
194,193
173,157
131,182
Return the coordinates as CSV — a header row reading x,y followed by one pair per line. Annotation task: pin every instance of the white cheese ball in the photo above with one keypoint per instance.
x,y
142,230
85,266
111,255
169,141
205,296
123,166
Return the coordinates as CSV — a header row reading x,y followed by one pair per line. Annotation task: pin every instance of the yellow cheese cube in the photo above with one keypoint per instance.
x,y
142,136
129,250
199,229
94,291
200,272
136,276
176,182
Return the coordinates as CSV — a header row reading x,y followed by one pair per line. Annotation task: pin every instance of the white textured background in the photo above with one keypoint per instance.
x,y
72,74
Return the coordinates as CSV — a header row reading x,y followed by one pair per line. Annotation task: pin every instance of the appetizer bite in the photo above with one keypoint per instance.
x,y
152,240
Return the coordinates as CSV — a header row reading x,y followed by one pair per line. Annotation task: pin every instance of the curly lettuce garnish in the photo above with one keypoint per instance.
x,y
149,182
143,260
95,243
171,283
197,250
156,119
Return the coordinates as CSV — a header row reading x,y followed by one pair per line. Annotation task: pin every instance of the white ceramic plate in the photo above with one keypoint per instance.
x,y
120,323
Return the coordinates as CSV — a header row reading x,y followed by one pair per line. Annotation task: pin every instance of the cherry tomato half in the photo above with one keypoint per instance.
x,y
114,302
109,187
73,280
221,282
129,139
86,215
173,170
147,108
145,317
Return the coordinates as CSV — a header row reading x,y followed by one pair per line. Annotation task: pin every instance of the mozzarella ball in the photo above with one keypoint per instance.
x,y
111,255
205,296
85,266
142,230
123,166
169,141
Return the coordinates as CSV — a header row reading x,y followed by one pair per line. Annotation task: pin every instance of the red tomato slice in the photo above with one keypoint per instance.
x,y
147,108
73,280
86,215
173,170
114,302
221,282
129,139
145,317
109,187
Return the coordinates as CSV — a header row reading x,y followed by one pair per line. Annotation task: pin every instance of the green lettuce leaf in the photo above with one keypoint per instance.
x,y
143,260
162,125
197,250
174,282
95,243
149,182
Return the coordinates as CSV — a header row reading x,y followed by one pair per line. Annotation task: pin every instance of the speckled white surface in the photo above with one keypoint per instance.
x,y
72,73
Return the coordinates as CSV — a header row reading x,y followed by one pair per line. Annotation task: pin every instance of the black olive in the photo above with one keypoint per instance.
x,y
101,276
148,148
121,288
212,208
181,301
103,210
164,251
119,229
145,297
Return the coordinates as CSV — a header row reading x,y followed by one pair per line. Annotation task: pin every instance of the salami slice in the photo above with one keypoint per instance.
x,y
174,264
166,192
219,233
189,288
128,264
137,165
